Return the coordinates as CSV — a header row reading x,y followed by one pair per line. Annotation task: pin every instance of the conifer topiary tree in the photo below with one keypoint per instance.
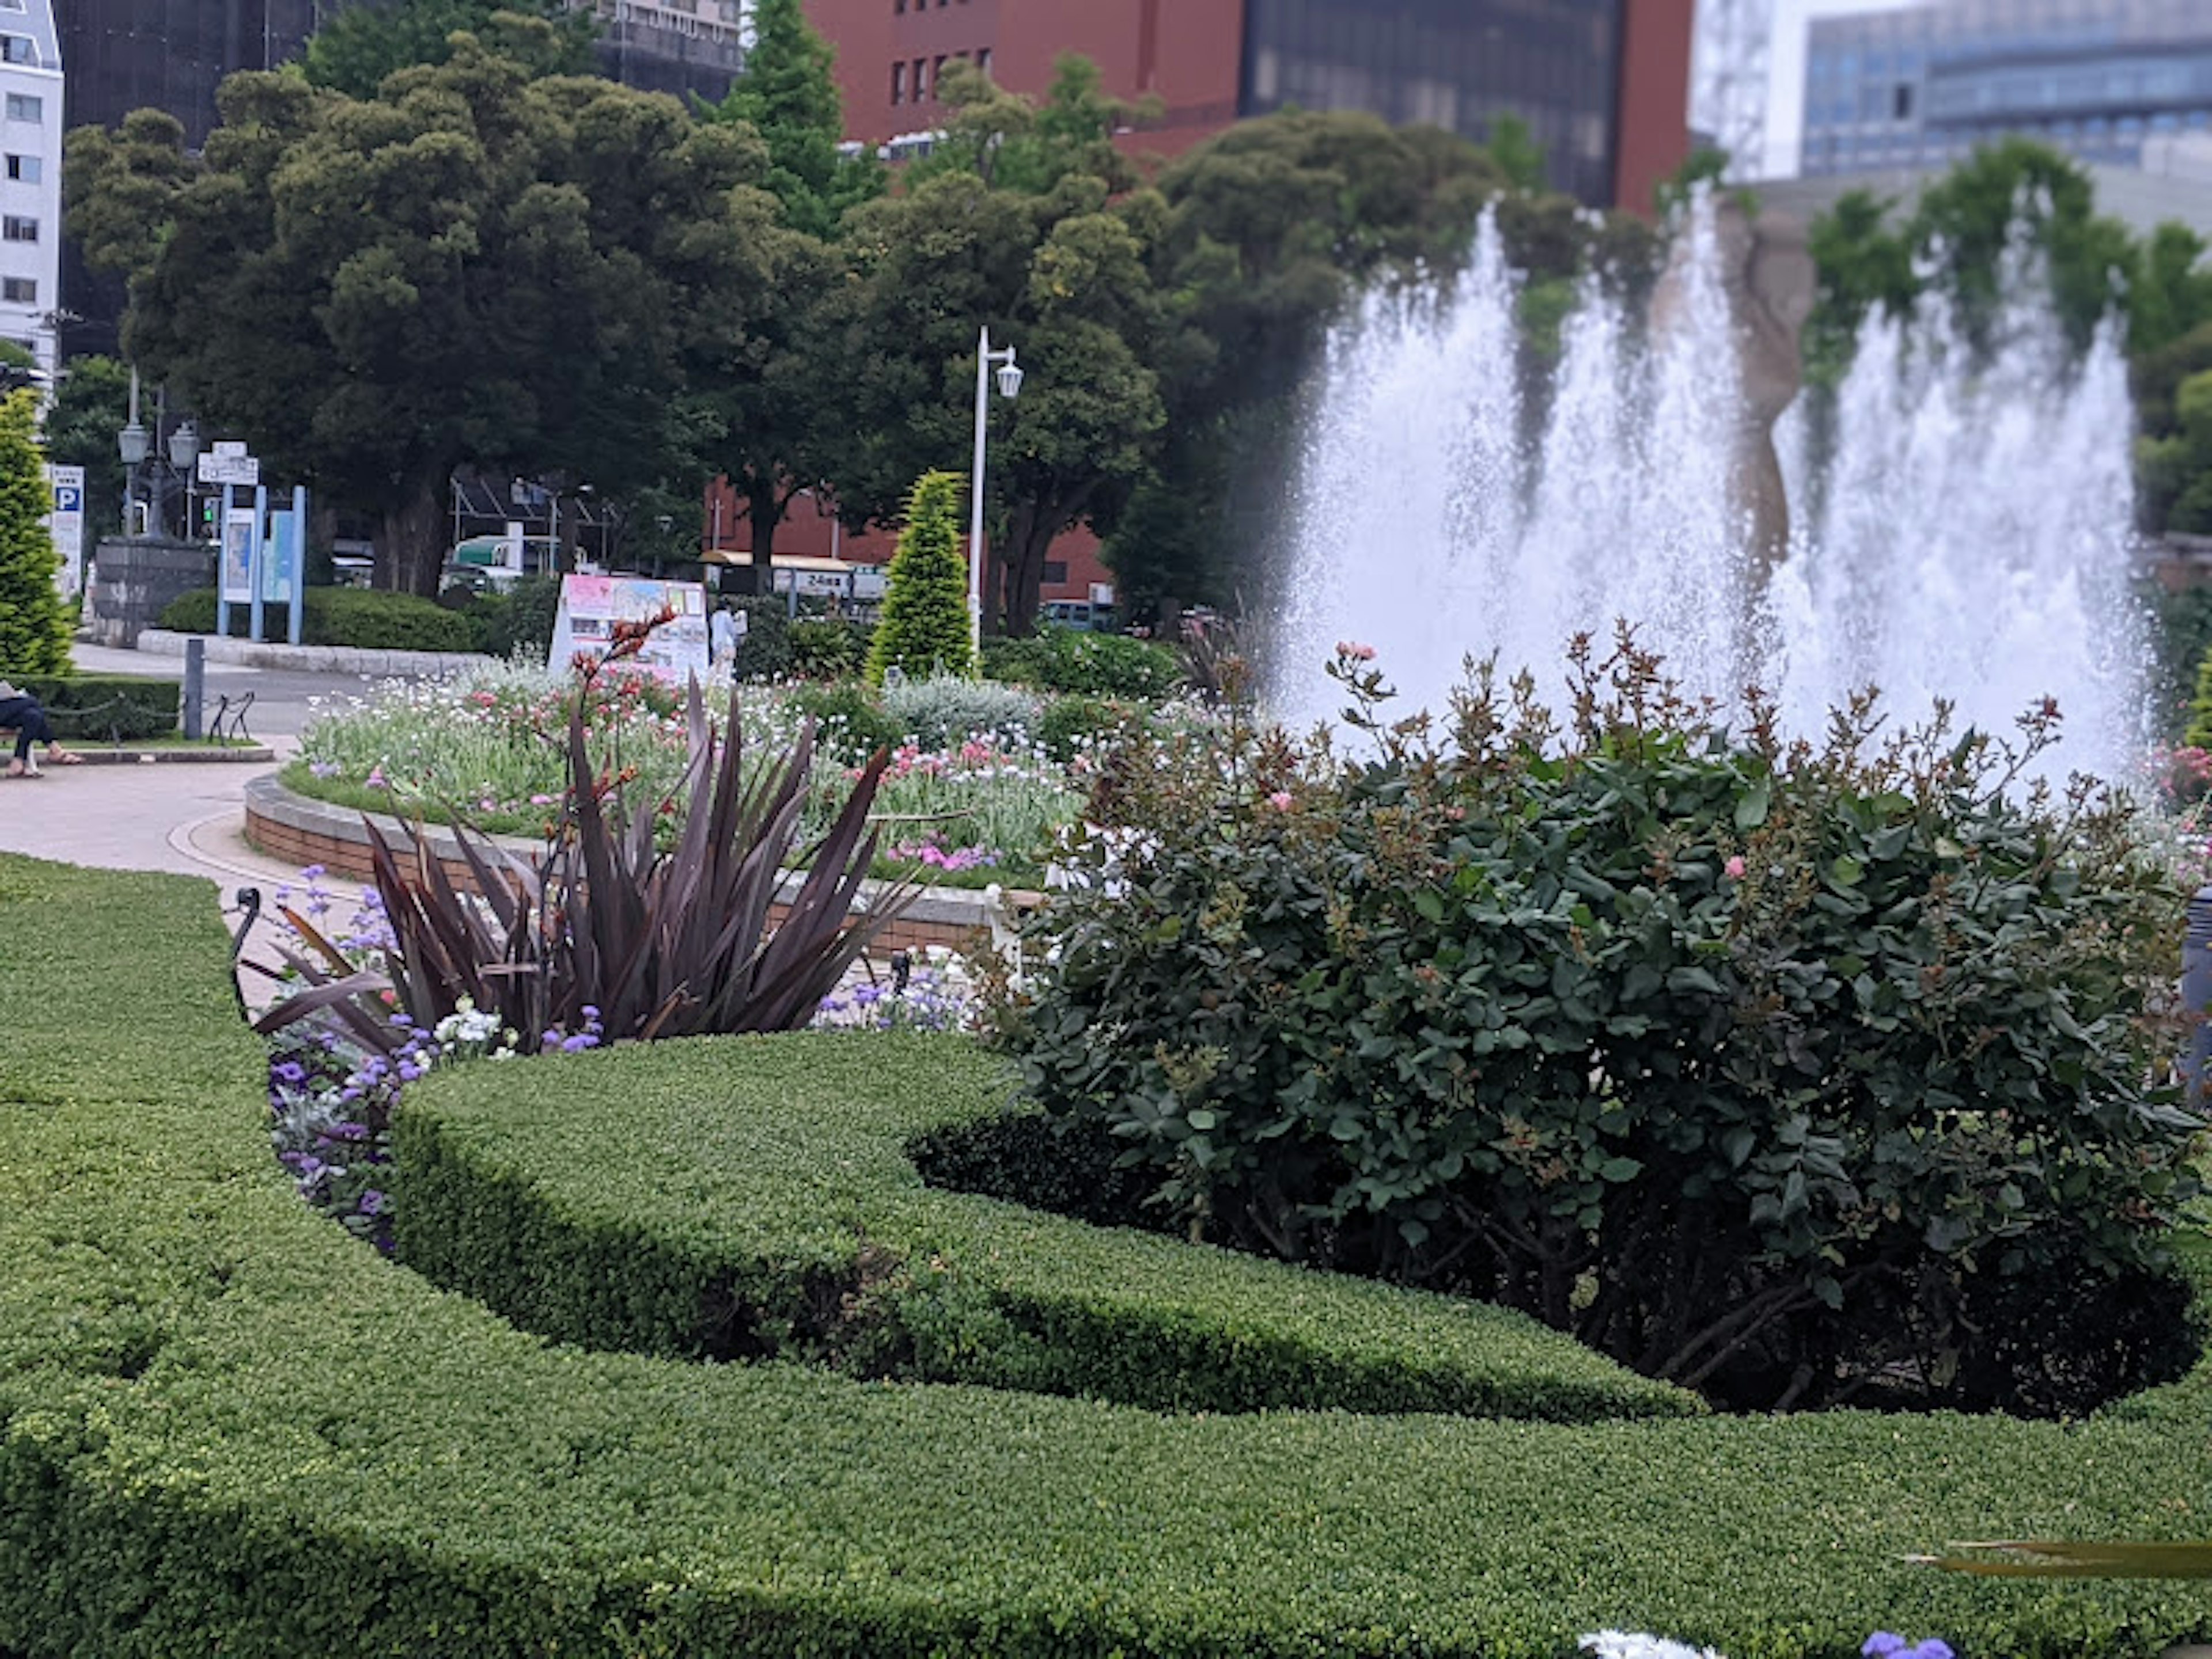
x,y
34,624
924,627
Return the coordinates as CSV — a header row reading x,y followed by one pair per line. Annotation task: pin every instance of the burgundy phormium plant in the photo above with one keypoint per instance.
x,y
667,943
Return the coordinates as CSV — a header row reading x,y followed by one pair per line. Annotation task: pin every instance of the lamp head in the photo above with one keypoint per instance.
x,y
184,446
133,443
1010,379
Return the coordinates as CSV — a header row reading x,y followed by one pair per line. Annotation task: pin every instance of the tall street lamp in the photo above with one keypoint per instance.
x,y
133,444
1010,386
184,457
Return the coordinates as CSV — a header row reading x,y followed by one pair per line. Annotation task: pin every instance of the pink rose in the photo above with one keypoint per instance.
x,y
1355,650
1735,868
1281,800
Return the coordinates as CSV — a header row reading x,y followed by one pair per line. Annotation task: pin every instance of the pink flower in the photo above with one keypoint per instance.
x,y
1355,650
375,778
1281,800
1735,868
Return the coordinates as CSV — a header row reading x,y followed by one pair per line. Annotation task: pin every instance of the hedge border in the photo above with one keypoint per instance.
x,y
753,1197
224,1427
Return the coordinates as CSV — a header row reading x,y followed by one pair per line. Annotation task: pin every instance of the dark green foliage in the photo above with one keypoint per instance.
x,y
224,1427
89,409
764,653
1069,1166
798,1229
1509,1020
107,708
608,929
34,623
829,648
360,46
1076,659
519,621
849,719
365,618
924,628
1077,721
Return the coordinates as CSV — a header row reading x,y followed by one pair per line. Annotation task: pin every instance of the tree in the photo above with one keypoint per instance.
x,y
88,410
789,96
483,264
1010,232
923,627
34,626
774,416
362,44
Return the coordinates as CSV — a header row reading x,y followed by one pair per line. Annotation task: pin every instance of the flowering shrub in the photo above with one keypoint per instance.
x,y
926,996
938,711
1796,1074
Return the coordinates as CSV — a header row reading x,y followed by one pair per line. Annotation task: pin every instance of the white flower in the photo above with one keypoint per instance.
x,y
1628,1644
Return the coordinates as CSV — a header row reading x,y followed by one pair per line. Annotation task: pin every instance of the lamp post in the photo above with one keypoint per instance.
x,y
1010,386
133,444
184,456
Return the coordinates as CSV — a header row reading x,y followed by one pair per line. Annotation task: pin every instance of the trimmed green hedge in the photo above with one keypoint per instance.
x,y
107,708
752,1196
368,619
227,1428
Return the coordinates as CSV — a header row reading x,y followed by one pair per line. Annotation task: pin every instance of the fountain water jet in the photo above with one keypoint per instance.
x,y
1972,541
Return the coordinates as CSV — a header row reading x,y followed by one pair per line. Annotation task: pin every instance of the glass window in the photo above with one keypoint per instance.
x,y
898,81
983,60
19,48
22,107
13,228
26,169
22,291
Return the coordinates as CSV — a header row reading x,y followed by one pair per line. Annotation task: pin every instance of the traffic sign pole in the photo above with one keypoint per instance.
x,y
257,557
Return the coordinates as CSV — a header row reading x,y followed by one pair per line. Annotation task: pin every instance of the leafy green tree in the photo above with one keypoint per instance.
x,y
1516,151
789,97
1021,237
89,407
484,262
34,626
924,626
354,51
773,415
120,189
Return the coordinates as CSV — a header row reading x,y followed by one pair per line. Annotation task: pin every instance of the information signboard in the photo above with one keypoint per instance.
x,y
591,605
280,559
238,556
65,525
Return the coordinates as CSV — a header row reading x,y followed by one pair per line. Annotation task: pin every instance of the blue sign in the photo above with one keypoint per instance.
x,y
280,559
68,498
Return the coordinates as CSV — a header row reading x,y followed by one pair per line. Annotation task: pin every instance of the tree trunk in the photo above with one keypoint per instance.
x,y
410,552
764,512
1028,539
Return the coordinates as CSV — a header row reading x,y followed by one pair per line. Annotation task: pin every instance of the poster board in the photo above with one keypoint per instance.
x,y
280,559
238,529
591,605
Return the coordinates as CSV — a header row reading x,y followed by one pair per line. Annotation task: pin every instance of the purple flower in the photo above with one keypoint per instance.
x,y
1933,1648
1882,1645
371,1201
323,769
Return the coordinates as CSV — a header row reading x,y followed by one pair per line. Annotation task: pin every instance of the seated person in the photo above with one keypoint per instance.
x,y
21,711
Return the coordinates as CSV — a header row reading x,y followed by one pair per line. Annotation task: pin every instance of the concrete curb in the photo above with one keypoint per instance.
x,y
280,822
199,755
313,659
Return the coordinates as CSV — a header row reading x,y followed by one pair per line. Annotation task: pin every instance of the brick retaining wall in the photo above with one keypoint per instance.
x,y
292,829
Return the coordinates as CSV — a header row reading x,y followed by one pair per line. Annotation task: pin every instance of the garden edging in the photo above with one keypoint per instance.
x,y
312,658
291,827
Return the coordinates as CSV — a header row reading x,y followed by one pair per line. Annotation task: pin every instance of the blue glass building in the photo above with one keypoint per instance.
x,y
1918,87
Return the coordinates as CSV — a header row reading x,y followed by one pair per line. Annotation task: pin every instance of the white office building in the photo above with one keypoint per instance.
x,y
30,177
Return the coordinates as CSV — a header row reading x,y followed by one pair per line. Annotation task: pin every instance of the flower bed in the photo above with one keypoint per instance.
x,y
489,748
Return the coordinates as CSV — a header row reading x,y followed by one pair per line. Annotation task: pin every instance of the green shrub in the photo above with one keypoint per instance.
x,y
1073,724
764,652
365,618
1690,1048
829,648
107,708
209,1396
849,722
925,627
942,710
34,623
824,1245
1074,659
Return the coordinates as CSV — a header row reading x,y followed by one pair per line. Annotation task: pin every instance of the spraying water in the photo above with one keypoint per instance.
x,y
1973,540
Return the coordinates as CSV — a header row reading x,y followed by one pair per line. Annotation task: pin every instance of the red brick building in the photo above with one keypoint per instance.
x,y
1602,86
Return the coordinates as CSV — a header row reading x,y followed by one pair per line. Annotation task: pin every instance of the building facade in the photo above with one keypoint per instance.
x,y
1602,85
1918,87
31,112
